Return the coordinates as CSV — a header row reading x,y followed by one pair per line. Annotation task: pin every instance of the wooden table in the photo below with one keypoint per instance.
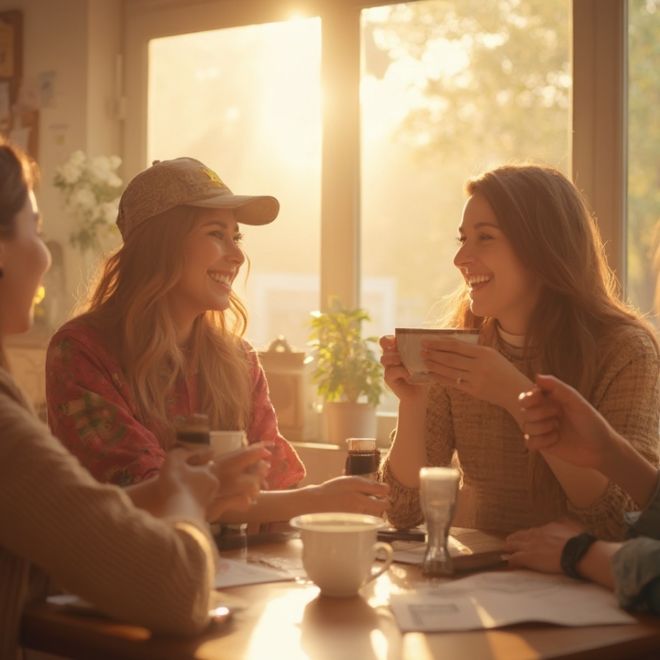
x,y
290,620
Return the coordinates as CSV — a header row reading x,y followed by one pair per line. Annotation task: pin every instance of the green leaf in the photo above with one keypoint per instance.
x,y
346,366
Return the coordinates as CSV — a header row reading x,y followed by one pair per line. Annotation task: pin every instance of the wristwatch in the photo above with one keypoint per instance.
x,y
574,549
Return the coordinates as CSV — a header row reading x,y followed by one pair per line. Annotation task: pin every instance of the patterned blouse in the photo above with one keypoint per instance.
x,y
92,410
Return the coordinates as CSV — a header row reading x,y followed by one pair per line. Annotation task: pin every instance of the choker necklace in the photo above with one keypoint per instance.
x,y
514,352
511,352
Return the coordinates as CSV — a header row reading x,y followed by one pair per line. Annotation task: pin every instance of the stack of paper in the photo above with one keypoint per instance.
x,y
494,599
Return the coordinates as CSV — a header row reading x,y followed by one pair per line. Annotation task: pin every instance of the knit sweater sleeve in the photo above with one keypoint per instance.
x,y
406,511
628,396
90,538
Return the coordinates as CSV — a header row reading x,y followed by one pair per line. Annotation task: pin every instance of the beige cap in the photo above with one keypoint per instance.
x,y
186,182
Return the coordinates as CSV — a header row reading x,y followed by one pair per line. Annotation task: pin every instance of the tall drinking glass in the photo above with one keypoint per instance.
x,y
438,494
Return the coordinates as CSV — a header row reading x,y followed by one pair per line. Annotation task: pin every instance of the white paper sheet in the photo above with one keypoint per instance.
x,y
414,554
232,573
469,549
494,599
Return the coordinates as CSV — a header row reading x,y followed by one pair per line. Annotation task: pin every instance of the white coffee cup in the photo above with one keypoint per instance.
x,y
409,344
339,550
224,442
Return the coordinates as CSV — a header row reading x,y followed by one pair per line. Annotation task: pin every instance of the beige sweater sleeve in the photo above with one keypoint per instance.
x,y
628,396
496,492
90,538
406,511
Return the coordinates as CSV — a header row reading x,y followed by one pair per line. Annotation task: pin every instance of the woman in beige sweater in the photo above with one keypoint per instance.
x,y
56,519
538,288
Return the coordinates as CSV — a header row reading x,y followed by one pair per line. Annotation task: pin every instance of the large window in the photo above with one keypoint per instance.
x,y
246,102
365,117
644,152
364,121
448,89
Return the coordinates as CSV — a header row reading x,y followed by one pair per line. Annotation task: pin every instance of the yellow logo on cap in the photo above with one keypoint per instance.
x,y
214,180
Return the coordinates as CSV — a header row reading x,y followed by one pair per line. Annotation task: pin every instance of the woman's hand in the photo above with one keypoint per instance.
x,y
352,495
540,548
478,370
559,421
185,485
241,474
396,376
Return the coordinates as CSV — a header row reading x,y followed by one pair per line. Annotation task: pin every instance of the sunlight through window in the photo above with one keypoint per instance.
x,y
447,90
246,102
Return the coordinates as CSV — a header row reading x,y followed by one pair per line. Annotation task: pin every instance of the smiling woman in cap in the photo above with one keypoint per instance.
x,y
161,335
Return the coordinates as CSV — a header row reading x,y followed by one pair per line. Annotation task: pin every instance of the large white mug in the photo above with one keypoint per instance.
x,y
224,442
409,344
339,550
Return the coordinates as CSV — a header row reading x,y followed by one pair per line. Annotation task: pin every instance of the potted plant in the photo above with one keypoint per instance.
x,y
347,372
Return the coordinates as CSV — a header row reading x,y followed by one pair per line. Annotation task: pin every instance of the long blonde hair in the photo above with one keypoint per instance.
x,y
131,299
554,235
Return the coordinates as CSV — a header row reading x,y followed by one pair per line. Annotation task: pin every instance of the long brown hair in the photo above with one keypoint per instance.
x,y
553,233
555,236
131,299
18,175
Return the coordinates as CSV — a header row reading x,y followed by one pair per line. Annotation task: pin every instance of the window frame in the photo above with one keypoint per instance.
x,y
598,153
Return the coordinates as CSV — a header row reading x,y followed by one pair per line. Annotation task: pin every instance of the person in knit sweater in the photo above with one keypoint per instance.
x,y
161,335
538,288
97,541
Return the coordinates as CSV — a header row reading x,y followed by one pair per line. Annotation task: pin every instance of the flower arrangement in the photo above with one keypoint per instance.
x,y
91,188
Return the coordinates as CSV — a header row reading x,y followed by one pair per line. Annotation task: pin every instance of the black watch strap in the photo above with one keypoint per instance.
x,y
573,551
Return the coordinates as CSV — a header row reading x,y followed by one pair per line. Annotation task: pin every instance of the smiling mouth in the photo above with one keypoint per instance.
x,y
477,281
221,278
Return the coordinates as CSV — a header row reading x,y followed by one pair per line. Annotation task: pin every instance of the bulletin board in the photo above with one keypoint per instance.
x,y
21,124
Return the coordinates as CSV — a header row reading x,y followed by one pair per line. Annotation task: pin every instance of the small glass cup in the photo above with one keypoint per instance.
x,y
438,494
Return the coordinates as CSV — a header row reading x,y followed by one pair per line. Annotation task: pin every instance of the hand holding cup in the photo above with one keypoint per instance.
x,y
409,344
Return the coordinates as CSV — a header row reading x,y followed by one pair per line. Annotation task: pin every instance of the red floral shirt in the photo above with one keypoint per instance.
x,y
91,409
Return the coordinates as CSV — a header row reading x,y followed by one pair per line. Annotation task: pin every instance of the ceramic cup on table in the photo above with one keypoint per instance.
x,y
224,442
340,550
409,344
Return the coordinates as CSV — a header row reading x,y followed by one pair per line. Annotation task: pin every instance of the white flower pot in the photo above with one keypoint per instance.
x,y
349,420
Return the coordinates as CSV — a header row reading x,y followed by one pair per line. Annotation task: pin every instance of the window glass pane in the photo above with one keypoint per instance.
x,y
448,89
643,150
246,102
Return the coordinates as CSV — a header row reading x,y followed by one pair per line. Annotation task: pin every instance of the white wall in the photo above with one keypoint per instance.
x,y
77,40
